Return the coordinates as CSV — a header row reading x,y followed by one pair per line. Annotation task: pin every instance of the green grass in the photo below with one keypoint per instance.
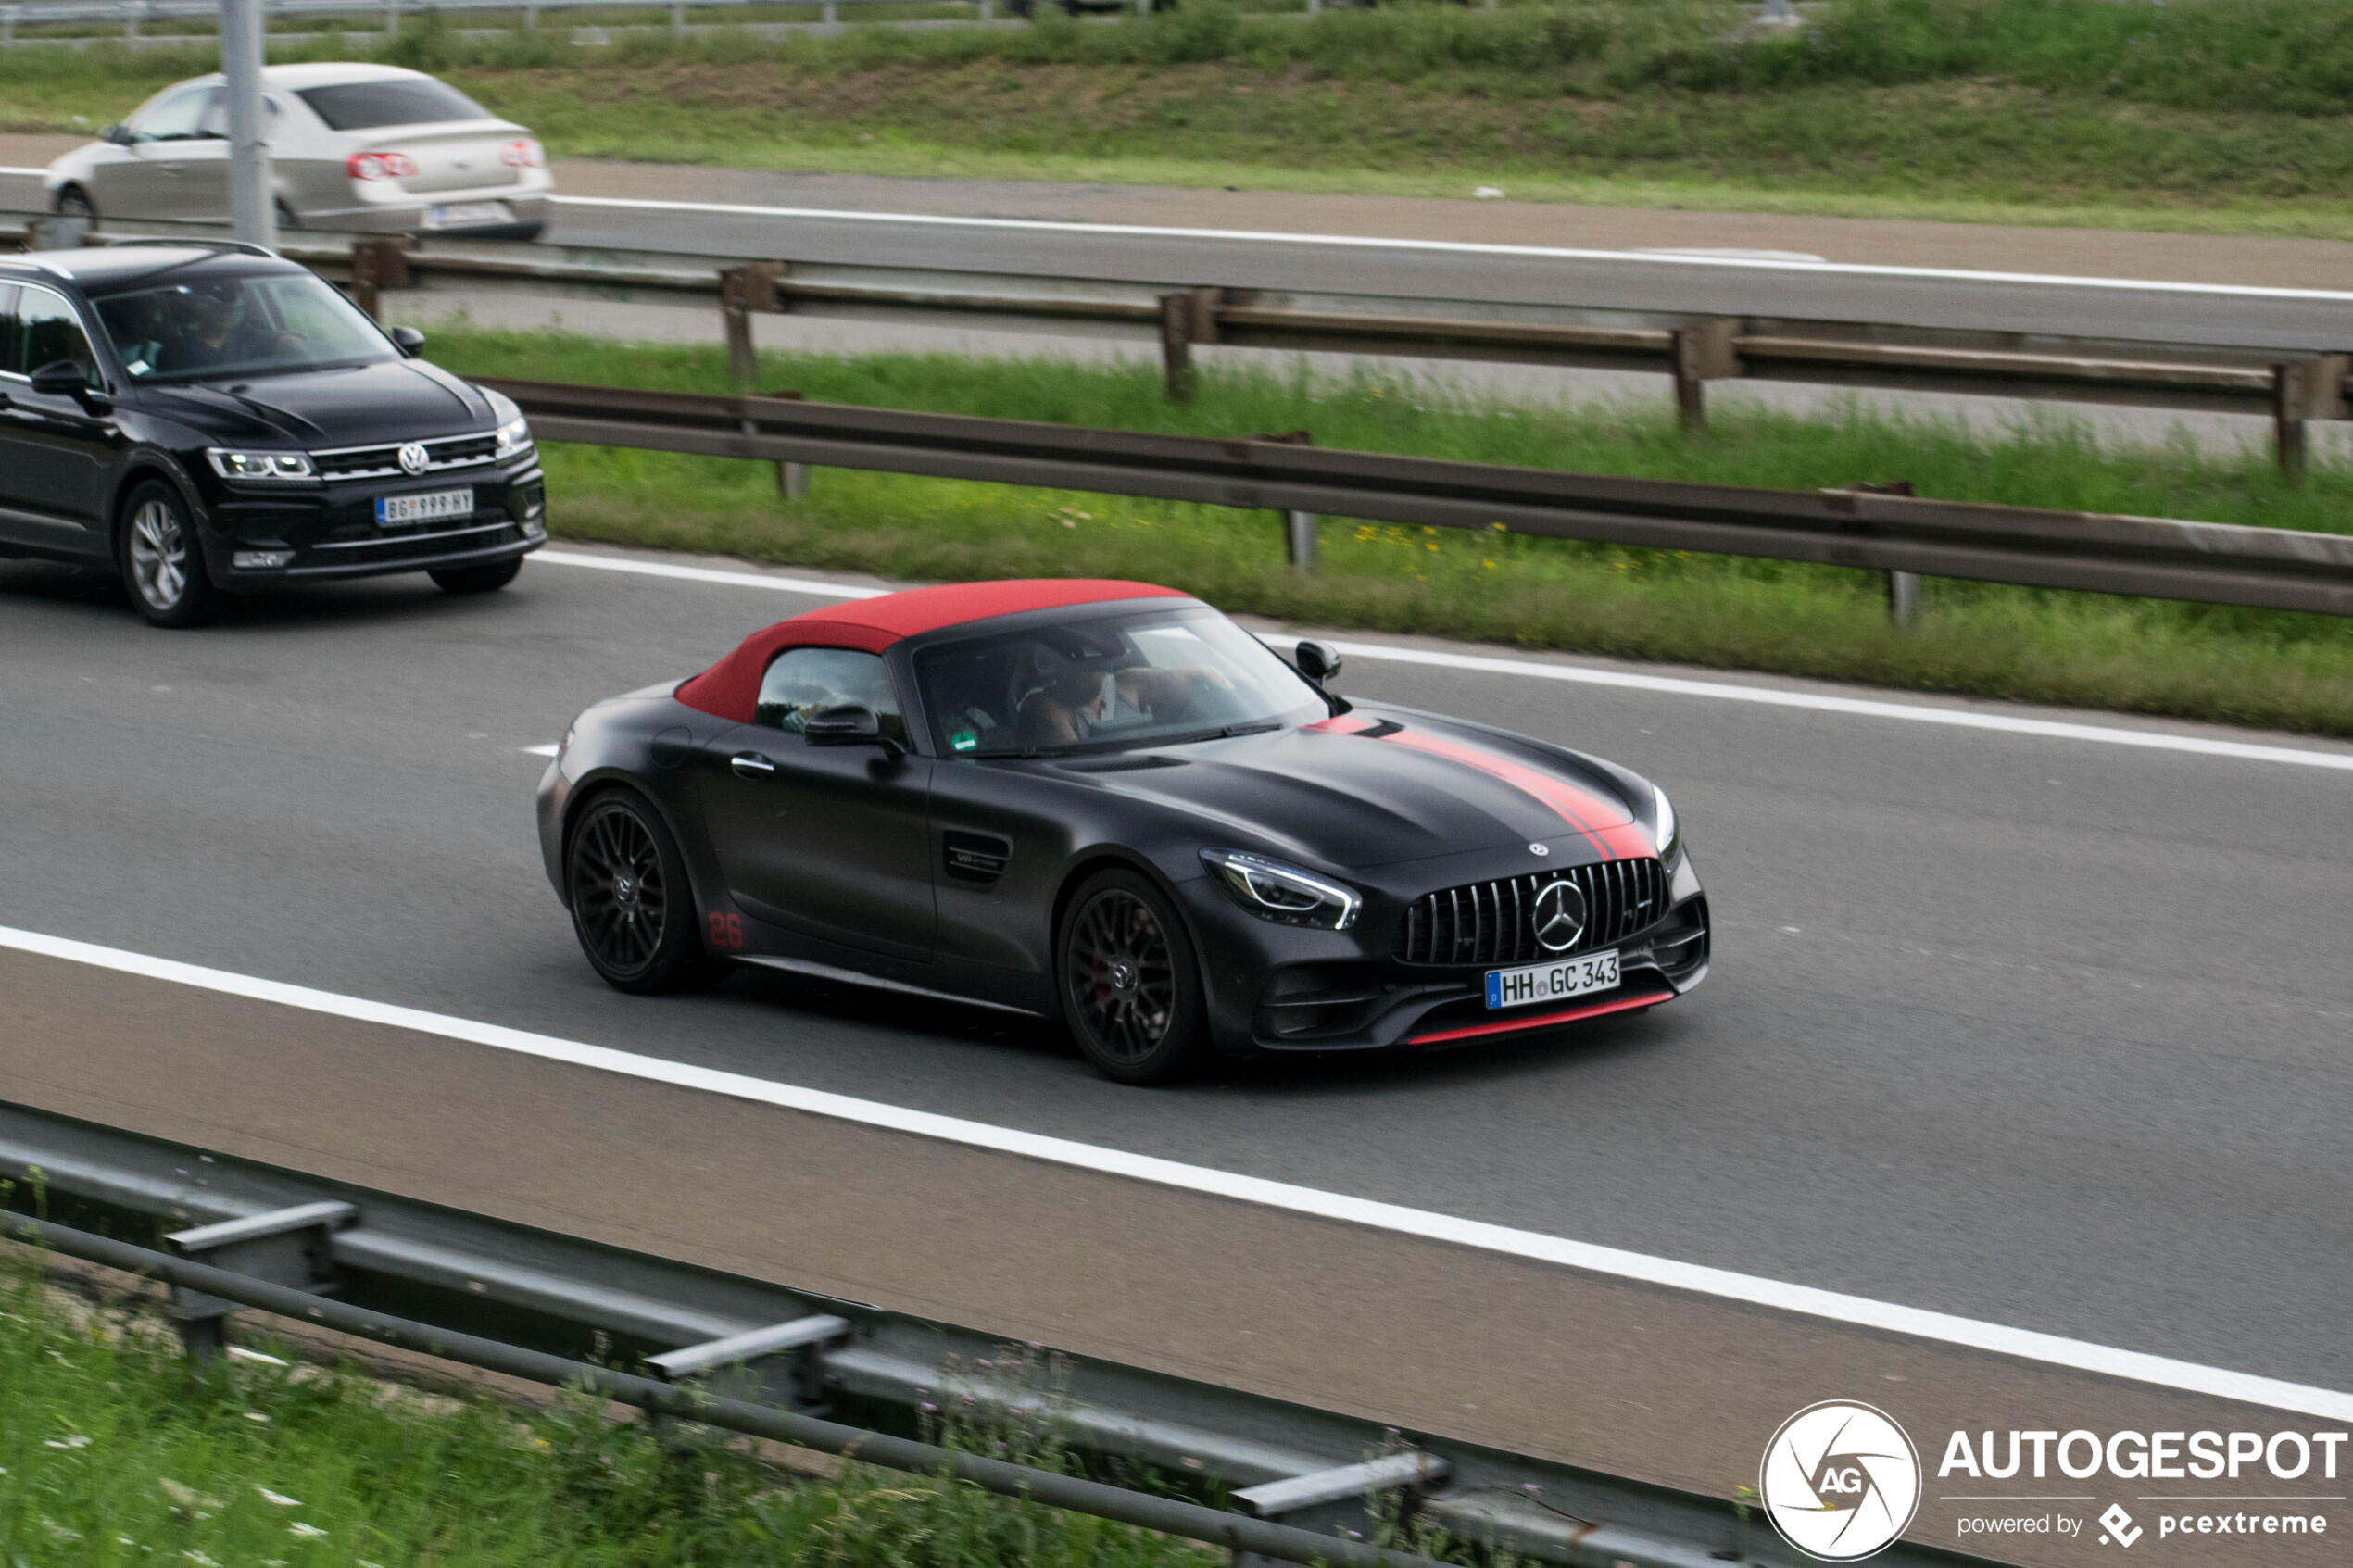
x,y
2223,116
116,1451
2256,667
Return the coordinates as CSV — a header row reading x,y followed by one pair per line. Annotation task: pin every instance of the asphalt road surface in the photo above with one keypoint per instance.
x,y
2020,1028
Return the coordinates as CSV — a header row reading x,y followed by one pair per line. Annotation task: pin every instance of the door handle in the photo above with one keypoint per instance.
x,y
750,765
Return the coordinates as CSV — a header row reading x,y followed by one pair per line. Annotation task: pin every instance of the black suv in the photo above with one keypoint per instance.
x,y
207,418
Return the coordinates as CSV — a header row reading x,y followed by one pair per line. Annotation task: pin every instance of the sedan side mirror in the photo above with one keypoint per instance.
x,y
1318,661
120,136
852,723
409,340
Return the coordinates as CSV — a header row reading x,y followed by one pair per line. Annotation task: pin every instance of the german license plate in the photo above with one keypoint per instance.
x,y
466,214
432,507
1552,982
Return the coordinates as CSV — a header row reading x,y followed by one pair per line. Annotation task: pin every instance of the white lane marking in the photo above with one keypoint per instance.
x,y
707,574
1918,1323
548,750
2155,740
2053,729
1454,247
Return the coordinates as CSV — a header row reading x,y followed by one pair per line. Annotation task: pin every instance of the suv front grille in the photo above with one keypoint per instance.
x,y
381,462
1494,923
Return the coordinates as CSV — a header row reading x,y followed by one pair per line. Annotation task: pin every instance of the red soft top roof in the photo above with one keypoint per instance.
x,y
730,689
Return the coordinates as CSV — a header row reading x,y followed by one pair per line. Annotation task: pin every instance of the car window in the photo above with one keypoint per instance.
x,y
47,331
802,681
256,325
214,121
1141,677
363,106
177,117
8,327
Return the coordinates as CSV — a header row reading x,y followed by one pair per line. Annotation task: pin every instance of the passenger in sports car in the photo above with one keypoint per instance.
x,y
1076,701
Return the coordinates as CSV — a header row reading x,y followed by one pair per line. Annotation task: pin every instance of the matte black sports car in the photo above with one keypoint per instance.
x,y
1107,804
207,418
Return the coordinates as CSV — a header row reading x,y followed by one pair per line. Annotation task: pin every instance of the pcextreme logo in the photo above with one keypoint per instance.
x,y
1840,1481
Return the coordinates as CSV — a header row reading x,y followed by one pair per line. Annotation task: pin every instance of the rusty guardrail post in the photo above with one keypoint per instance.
x,y
1177,345
746,292
376,265
1698,354
2303,390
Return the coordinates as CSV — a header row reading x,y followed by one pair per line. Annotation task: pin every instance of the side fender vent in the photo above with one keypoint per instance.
x,y
975,858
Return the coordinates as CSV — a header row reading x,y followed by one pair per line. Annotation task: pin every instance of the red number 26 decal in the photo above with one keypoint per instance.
x,y
726,931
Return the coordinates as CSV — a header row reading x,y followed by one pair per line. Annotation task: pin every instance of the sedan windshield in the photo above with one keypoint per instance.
x,y
1144,677
206,327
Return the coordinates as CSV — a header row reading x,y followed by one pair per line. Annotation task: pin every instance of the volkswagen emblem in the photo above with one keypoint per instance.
x,y
1559,916
414,458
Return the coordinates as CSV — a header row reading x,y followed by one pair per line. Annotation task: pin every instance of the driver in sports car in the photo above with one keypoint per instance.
x,y
1074,698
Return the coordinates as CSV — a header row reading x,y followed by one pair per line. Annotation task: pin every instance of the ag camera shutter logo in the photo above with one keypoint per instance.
x,y
1840,1481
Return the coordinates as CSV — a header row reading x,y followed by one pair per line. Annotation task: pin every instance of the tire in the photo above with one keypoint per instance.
x,y
1130,984
476,579
160,560
74,202
632,905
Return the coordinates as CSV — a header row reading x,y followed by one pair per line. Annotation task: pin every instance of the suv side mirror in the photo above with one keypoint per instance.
x,y
61,378
852,723
1318,661
409,340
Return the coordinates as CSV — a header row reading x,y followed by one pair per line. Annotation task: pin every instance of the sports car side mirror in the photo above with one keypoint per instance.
x,y
409,340
852,723
1318,661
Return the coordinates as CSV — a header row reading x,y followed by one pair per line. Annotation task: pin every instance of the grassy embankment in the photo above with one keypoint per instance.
x,y
2146,655
114,1450
2228,116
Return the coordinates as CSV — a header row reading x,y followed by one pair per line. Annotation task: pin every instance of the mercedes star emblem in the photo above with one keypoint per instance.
x,y
414,458
1559,916
1539,849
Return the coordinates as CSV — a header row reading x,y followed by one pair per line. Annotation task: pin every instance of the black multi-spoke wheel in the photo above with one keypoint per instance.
x,y
630,902
1130,987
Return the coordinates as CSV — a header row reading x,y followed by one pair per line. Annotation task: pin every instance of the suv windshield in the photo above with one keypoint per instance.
x,y
363,106
251,326
1143,677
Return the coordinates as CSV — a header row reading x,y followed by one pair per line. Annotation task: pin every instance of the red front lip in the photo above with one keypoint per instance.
x,y
1545,1020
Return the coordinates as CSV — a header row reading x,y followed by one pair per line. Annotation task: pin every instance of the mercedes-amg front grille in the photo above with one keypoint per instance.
x,y
1496,922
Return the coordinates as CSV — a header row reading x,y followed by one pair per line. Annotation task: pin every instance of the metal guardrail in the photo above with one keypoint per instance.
x,y
2205,562
1692,348
130,14
822,1372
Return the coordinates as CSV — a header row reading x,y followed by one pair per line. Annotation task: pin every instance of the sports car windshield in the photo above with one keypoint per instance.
x,y
1097,683
266,325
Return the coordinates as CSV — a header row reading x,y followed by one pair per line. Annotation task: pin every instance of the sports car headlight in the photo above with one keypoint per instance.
x,y
259,464
1669,831
1285,895
513,436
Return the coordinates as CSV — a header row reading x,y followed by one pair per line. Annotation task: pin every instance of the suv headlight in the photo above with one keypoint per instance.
x,y
1666,830
514,436
1284,893
261,465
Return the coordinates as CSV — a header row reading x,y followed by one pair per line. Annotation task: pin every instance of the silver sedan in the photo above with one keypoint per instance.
x,y
370,148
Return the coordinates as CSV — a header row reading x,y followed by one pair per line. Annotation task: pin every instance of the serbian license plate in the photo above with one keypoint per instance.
x,y
432,508
467,215
1552,982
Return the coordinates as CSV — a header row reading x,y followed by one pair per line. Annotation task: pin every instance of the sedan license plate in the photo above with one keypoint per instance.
x,y
466,214
430,508
1552,982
